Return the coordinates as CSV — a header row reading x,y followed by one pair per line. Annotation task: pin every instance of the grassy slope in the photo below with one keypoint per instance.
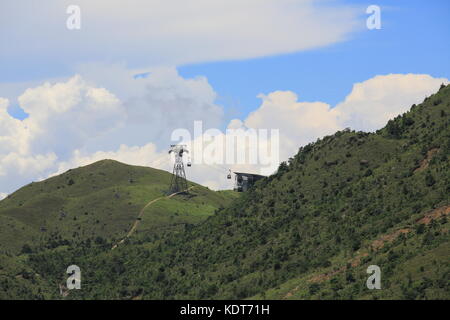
x,y
308,231
99,200
175,213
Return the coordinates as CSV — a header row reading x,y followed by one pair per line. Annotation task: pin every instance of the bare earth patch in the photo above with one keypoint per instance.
x,y
379,243
434,214
425,162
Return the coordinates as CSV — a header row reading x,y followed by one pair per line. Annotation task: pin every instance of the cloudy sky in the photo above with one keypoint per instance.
x,y
135,71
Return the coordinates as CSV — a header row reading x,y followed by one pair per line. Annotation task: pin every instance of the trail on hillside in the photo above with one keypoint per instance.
x,y
377,245
426,161
141,213
386,238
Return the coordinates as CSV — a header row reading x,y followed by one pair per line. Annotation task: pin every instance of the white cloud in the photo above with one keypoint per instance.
x,y
373,102
146,155
368,107
8,128
299,122
18,168
155,105
87,118
72,121
64,115
3,195
171,32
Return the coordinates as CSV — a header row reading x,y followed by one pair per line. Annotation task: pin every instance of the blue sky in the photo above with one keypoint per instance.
x,y
415,38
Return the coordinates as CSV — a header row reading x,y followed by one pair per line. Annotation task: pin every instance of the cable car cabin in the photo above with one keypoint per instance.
x,y
243,181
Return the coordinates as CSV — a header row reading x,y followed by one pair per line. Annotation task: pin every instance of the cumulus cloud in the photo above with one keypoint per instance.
x,y
171,32
155,103
146,155
368,107
61,117
8,128
298,122
373,102
73,109
116,116
17,164
79,120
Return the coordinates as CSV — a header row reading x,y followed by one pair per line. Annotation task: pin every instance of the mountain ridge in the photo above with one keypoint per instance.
x,y
341,204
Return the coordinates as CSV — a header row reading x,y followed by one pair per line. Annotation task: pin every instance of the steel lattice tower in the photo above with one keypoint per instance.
x,y
178,182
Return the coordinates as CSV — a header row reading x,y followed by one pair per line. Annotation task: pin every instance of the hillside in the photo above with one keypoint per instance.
x,y
309,231
99,203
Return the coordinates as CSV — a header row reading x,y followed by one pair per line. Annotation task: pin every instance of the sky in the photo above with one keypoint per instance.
x,y
414,39
122,84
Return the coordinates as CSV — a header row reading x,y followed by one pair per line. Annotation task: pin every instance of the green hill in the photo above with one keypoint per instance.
x,y
309,231
99,202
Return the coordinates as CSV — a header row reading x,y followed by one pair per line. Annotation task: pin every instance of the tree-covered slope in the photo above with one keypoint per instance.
x,y
309,231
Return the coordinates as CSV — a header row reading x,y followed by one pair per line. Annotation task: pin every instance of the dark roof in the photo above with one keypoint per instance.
x,y
249,174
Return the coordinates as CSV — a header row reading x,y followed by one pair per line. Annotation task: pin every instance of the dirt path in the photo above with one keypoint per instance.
x,y
377,245
426,161
141,213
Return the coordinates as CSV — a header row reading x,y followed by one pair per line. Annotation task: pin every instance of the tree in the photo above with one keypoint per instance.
x,y
420,229
314,288
429,180
393,129
26,249
283,167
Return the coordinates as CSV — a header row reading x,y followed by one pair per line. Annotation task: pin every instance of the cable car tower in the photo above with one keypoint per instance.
x,y
178,182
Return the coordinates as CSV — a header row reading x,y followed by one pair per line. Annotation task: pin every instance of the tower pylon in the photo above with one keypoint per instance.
x,y
178,182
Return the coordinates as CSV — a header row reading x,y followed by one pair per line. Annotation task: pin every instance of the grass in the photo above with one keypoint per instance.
x,y
101,200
